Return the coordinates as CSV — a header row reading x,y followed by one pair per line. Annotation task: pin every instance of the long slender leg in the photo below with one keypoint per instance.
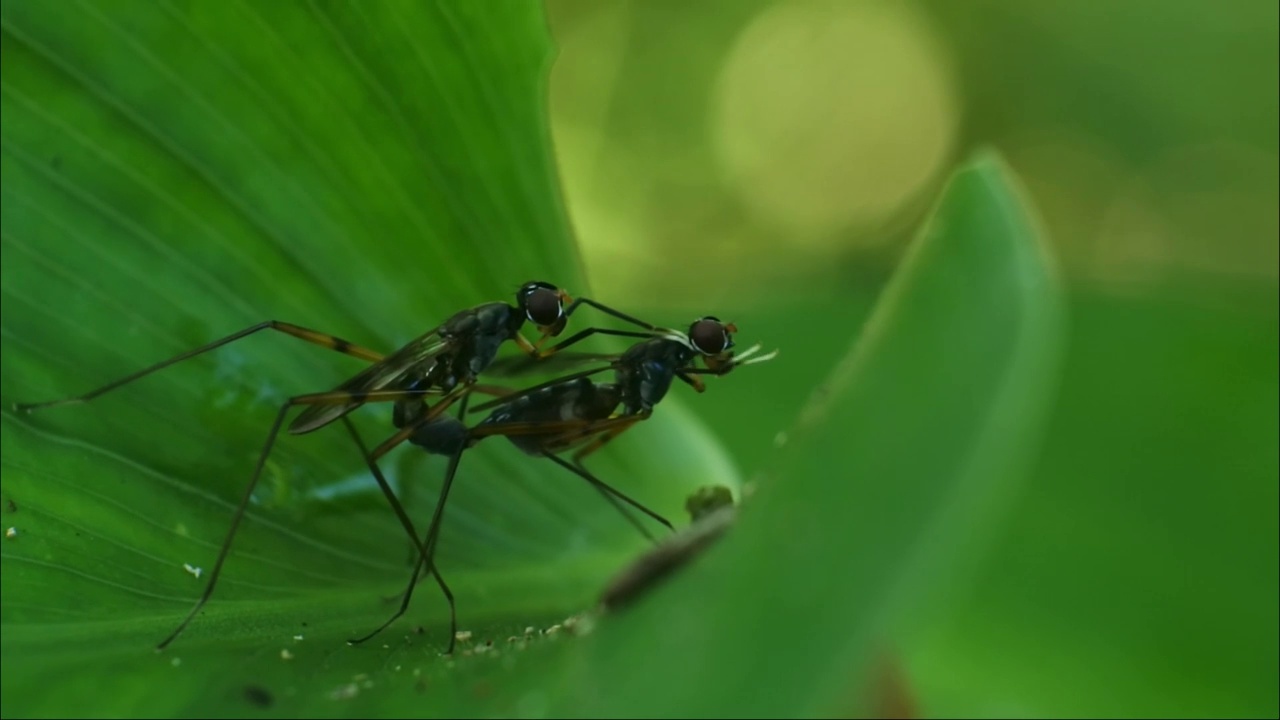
x,y
573,306
693,381
429,551
313,399
607,435
494,390
414,548
604,437
406,523
405,432
557,431
569,430
608,311
311,336
613,495
433,530
584,334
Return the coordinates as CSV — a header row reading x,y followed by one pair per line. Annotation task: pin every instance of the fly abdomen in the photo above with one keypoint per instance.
x,y
566,409
552,403
445,435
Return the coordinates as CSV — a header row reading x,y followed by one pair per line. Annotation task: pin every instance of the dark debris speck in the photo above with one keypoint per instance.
x,y
258,695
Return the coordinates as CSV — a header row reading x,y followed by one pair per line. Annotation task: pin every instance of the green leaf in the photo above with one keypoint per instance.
x,y
174,172
936,410
1130,580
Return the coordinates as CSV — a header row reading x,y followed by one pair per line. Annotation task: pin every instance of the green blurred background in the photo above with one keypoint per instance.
x,y
767,161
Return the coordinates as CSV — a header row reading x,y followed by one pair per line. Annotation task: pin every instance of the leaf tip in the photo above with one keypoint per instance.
x,y
988,159
1005,186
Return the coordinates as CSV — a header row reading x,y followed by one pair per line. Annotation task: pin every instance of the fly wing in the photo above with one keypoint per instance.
x,y
522,364
379,376
511,397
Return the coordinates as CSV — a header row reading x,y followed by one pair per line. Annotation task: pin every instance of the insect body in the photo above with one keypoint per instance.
x,y
576,412
450,356
445,361
643,375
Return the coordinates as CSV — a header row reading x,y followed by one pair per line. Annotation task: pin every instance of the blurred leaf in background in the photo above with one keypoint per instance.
x,y
773,156
881,498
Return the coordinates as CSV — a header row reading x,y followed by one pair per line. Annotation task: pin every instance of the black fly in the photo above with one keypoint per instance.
x,y
446,361
575,412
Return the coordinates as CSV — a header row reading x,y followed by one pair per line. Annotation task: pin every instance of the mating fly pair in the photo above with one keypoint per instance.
x,y
575,412
445,362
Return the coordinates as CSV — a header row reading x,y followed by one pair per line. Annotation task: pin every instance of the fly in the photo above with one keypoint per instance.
x,y
445,361
574,412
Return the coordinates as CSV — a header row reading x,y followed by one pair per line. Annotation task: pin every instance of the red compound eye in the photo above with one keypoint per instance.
x,y
542,303
709,336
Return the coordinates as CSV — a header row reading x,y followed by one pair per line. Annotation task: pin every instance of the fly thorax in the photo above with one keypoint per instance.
x,y
484,347
483,356
655,381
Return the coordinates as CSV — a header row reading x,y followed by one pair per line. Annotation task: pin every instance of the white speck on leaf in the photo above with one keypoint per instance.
x,y
345,692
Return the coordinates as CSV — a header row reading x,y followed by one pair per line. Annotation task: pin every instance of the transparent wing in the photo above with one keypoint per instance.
x,y
379,376
523,364
511,397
